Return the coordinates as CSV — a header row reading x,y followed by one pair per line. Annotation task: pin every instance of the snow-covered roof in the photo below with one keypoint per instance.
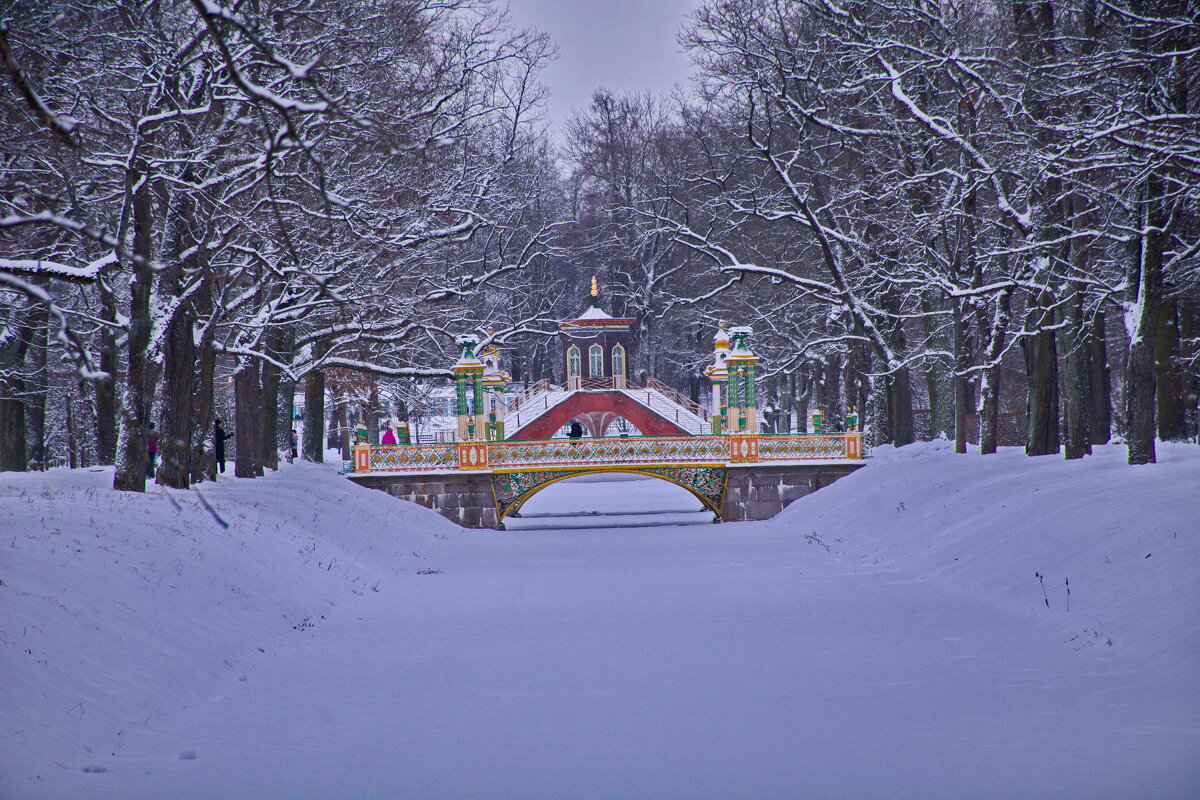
x,y
596,317
595,313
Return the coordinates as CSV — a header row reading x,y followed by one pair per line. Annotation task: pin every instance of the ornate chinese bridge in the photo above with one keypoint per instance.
x,y
720,457
738,477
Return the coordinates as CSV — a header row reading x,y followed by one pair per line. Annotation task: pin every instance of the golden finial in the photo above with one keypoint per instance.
x,y
595,290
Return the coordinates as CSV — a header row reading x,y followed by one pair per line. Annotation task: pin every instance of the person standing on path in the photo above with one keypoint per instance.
x,y
576,430
151,450
219,437
295,446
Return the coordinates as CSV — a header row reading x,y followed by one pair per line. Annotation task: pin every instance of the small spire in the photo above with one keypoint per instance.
x,y
595,289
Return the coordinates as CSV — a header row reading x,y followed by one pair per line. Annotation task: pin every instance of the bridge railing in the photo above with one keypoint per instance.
x,y
541,387
608,451
406,457
660,387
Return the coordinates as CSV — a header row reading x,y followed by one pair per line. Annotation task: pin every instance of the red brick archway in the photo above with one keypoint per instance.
x,y
595,404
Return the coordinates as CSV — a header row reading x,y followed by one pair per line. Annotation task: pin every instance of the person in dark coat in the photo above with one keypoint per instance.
x,y
576,430
219,437
151,450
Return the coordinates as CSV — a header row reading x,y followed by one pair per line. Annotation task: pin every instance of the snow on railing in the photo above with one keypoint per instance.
x,y
677,398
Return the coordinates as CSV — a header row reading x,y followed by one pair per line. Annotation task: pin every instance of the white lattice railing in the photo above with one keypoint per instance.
x,y
668,409
518,416
663,401
674,396
608,451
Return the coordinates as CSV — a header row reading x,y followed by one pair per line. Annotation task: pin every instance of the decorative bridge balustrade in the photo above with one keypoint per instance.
x,y
405,457
607,452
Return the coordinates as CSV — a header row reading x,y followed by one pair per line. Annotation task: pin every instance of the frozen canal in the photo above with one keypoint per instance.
x,y
609,501
621,657
885,637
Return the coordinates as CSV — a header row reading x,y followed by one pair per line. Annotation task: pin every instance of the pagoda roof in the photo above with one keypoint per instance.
x,y
596,318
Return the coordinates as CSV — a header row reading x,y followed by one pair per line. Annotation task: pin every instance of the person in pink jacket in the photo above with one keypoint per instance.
x,y
388,437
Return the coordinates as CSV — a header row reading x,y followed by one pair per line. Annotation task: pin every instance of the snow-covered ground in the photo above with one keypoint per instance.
x,y
888,636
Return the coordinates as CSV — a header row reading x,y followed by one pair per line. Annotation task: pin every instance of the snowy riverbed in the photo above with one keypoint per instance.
x,y
888,636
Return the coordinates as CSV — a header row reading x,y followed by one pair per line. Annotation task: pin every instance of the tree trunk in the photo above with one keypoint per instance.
x,y
12,400
831,393
284,407
372,414
900,406
1189,331
1076,376
343,426
989,410
176,433
35,400
204,460
337,422
1143,295
314,417
248,429
1041,366
939,375
1168,378
72,455
138,398
1100,382
269,454
106,391
12,433
959,348
802,402
881,409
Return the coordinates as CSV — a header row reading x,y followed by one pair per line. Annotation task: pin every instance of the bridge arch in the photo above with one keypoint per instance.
x,y
614,402
706,484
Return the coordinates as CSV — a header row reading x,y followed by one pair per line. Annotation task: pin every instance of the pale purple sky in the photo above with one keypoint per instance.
x,y
623,45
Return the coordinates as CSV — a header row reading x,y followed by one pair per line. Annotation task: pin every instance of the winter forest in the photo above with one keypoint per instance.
x,y
976,220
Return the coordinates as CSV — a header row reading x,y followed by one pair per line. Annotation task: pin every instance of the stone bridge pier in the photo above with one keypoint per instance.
x,y
760,491
733,492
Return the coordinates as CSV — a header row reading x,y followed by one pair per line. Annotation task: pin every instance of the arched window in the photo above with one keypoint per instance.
x,y
574,370
596,361
618,361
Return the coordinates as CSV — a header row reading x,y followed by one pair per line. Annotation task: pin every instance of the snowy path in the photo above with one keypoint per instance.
x,y
698,661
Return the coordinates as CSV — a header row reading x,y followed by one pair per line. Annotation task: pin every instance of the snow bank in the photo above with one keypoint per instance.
x,y
121,608
1124,540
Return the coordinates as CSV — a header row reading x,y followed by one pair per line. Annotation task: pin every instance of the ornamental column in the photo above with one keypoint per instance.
x,y
718,373
494,381
468,388
742,364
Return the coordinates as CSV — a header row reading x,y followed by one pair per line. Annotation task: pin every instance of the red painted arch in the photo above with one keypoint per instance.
x,y
648,422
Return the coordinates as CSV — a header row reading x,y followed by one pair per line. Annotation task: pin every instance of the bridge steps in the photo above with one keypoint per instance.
x,y
534,407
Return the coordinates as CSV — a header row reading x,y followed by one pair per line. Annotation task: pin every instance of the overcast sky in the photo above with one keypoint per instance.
x,y
623,45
